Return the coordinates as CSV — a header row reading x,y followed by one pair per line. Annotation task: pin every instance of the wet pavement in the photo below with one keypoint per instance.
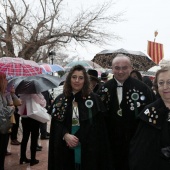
x,y
12,161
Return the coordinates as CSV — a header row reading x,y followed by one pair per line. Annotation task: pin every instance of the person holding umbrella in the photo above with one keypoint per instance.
x,y
29,126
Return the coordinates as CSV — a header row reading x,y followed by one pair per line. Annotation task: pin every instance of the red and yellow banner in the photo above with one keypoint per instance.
x,y
155,51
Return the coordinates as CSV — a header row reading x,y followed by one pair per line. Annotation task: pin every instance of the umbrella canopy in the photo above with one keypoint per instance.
x,y
86,63
151,72
51,68
19,67
140,61
164,63
34,84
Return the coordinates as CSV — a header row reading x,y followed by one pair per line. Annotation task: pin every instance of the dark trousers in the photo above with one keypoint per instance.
x,y
43,129
15,127
3,148
29,126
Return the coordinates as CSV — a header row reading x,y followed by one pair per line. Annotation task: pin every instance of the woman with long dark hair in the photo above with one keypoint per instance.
x,y
78,138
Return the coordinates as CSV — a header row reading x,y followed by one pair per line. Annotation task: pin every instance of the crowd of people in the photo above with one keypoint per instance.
x,y
117,124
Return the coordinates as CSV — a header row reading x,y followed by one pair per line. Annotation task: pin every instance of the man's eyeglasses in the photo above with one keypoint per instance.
x,y
161,83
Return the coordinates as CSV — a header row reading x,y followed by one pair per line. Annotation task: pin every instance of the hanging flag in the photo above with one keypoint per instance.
x,y
155,51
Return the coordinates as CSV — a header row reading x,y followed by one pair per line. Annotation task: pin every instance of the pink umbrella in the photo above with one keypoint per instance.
x,y
19,67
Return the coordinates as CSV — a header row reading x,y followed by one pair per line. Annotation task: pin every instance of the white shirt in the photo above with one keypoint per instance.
x,y
119,91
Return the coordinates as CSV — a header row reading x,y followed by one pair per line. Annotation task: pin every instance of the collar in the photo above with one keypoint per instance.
x,y
118,83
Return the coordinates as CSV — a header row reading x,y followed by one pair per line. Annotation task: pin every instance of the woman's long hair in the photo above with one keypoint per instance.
x,y
3,83
67,84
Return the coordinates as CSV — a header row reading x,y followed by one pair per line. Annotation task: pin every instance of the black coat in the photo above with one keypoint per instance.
x,y
122,128
152,134
92,134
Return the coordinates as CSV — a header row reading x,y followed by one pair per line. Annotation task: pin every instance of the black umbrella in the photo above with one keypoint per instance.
x,y
140,61
34,84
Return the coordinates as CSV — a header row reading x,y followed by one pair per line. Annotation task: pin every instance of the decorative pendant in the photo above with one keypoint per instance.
x,y
169,117
119,112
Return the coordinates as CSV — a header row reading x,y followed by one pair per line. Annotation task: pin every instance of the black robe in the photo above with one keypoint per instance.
x,y
92,134
122,128
152,134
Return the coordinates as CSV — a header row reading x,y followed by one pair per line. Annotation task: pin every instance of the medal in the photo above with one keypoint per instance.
x,y
135,96
119,112
142,97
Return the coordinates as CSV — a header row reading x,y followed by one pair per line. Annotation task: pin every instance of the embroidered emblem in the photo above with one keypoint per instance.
x,y
54,109
146,111
131,108
58,104
135,96
154,121
138,104
89,103
152,115
119,112
168,117
142,97
59,108
105,96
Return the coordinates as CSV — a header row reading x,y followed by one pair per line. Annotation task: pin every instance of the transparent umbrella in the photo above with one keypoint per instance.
x,y
140,61
86,63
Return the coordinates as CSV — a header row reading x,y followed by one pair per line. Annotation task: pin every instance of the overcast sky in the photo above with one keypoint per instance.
x,y
143,18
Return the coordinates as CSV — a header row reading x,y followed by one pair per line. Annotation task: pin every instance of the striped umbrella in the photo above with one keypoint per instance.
x,y
51,68
19,67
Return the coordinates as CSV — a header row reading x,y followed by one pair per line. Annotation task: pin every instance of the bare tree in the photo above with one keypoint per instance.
x,y
26,33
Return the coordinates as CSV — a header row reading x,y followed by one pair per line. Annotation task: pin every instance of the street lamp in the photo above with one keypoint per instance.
x,y
51,55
